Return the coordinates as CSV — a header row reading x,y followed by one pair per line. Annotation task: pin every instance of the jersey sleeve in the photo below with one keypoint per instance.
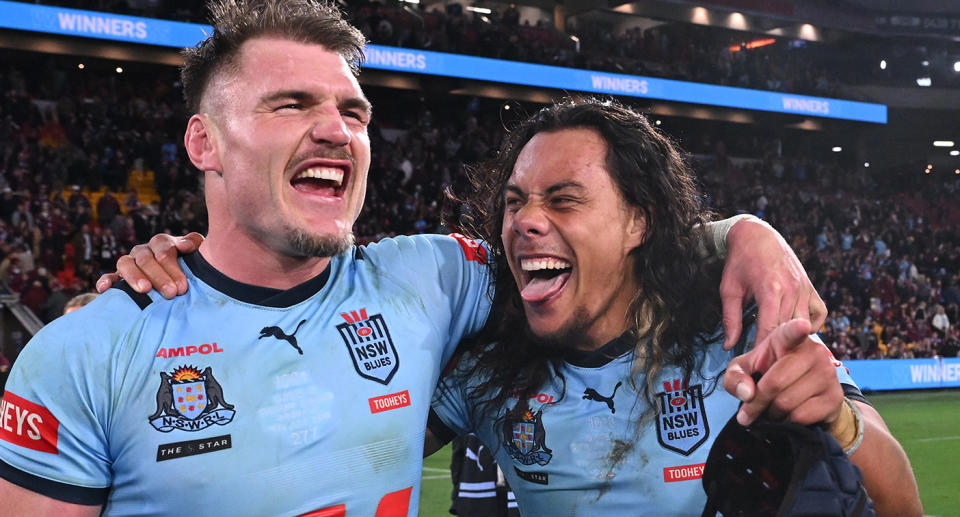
x,y
55,411
450,411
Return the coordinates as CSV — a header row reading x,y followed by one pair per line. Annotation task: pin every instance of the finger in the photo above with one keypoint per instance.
x,y
164,249
189,242
780,342
791,307
788,394
737,379
143,266
171,266
732,319
824,407
768,315
798,374
107,280
128,270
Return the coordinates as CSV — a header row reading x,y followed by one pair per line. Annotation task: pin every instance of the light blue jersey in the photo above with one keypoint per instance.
x,y
241,400
595,447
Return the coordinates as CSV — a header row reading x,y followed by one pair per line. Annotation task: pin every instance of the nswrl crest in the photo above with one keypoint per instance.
x,y
524,437
682,420
370,345
190,400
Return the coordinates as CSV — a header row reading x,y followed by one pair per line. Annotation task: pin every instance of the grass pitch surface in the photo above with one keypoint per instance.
x,y
927,423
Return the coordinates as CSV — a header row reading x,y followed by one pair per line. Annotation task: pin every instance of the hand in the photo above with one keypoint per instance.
x,y
761,265
154,265
799,380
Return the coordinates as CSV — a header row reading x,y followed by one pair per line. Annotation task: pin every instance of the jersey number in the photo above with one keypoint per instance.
x,y
394,504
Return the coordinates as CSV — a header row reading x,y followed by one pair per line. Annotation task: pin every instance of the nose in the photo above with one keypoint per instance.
x,y
331,129
530,220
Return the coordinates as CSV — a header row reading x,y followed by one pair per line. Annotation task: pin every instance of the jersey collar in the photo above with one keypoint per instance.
x,y
603,355
257,295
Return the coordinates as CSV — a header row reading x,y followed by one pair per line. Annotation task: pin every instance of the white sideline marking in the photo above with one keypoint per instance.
x,y
435,469
937,439
436,477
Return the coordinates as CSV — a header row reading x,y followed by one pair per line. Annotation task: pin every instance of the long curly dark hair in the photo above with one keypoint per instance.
x,y
678,301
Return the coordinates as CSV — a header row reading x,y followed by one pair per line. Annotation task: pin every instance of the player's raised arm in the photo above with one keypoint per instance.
x,y
154,265
759,264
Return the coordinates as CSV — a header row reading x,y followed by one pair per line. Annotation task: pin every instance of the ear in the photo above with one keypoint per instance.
x,y
201,144
636,233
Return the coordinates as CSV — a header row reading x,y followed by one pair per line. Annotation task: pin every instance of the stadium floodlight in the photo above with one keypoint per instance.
x,y
924,81
80,66
943,143
837,149
925,63
956,66
866,164
480,10
883,64
119,70
955,152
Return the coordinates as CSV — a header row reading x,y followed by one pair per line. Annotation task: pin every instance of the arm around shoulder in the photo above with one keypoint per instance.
x,y
19,501
887,474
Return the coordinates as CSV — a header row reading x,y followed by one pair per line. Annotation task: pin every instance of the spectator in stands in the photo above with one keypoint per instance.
x,y
940,321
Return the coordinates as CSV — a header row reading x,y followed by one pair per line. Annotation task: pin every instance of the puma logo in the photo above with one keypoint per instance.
x,y
475,456
591,394
278,333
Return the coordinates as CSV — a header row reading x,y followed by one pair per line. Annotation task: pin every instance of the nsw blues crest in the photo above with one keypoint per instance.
x,y
370,345
524,437
682,420
190,400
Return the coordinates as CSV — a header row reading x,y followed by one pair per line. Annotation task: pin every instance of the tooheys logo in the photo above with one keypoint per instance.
x,y
27,424
371,348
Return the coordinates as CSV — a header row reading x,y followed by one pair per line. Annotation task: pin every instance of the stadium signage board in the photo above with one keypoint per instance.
x,y
905,374
92,24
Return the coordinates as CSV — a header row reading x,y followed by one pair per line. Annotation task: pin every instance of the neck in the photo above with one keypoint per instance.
x,y
250,261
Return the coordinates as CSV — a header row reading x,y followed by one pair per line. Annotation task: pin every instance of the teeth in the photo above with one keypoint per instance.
x,y
536,264
323,173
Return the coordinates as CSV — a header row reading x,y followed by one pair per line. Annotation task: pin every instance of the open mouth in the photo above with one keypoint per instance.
x,y
325,180
543,277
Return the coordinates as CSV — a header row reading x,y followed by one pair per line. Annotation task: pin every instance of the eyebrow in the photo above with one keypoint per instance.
x,y
301,95
552,189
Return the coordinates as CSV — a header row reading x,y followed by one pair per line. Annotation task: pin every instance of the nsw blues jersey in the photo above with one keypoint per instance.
x,y
596,447
242,400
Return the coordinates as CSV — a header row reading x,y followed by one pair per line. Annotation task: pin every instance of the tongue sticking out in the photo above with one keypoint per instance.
x,y
539,289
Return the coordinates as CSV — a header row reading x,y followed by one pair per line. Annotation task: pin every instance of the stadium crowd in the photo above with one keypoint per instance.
x,y
91,163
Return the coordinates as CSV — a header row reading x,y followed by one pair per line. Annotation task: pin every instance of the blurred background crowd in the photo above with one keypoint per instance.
x,y
92,161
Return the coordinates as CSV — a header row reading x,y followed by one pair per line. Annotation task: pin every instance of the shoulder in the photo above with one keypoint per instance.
x,y
94,331
120,306
417,247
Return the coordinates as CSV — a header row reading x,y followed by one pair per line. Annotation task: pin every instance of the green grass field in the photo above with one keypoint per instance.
x,y
927,423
